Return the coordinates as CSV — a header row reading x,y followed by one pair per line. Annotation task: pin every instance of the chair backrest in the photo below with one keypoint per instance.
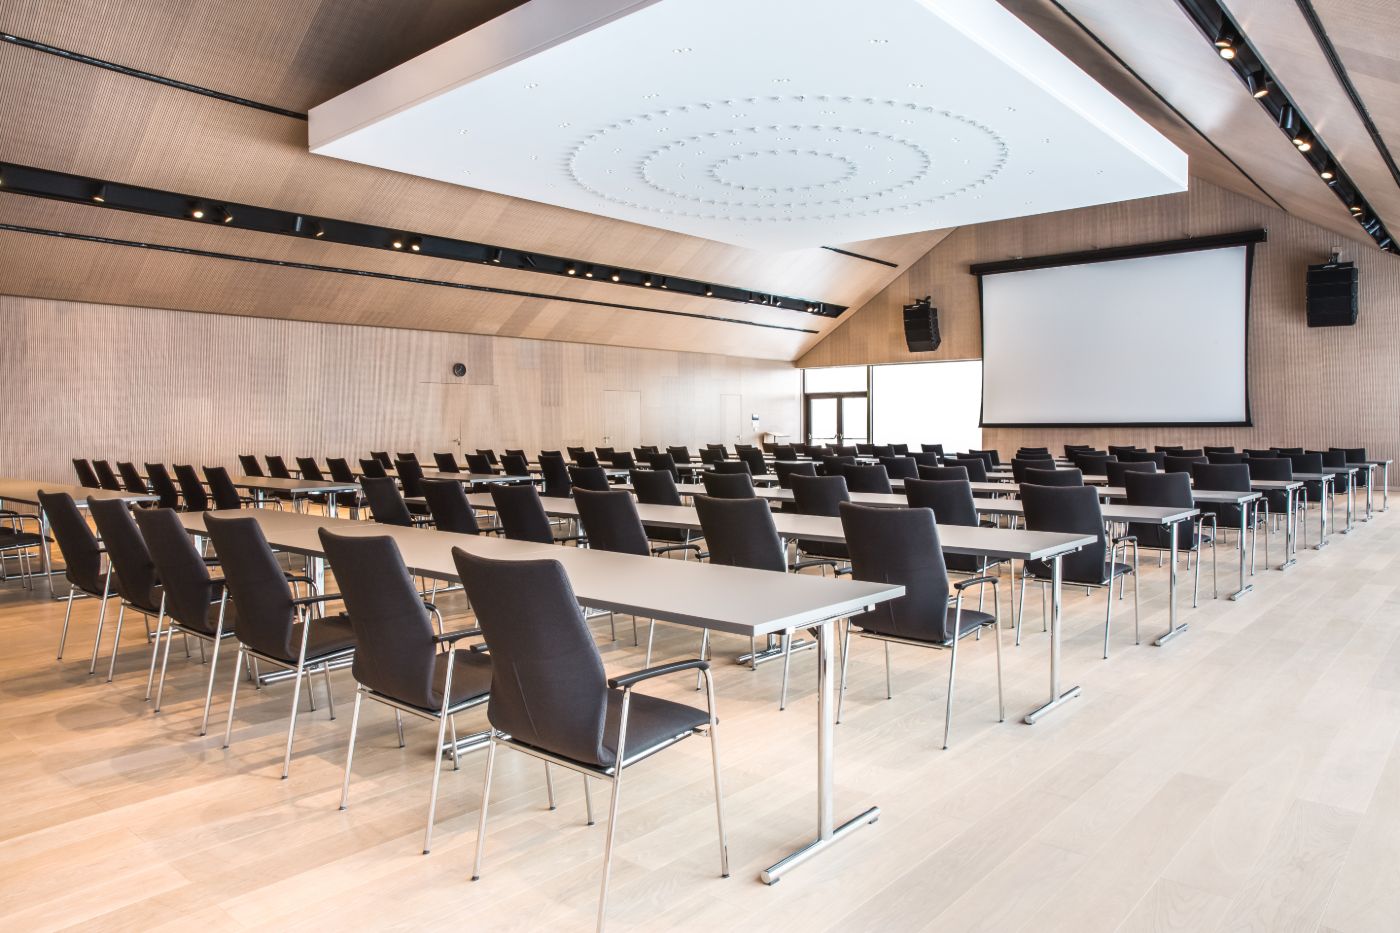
x,y
557,484
511,451
548,686
221,486
865,450
1229,476
1072,510
1332,459
1223,456
1159,489
1270,468
1040,453
846,450
866,478
959,473
277,467
1119,450
477,463
86,476
340,470
373,468
719,449
1067,477
1094,464
515,464
1177,464
1142,456
900,467
575,452
754,458
446,463
991,456
310,469
134,573
1257,454
663,462
833,464
105,477
932,449
76,542
486,452
655,487
710,455
610,521
1116,471
1019,466
1354,454
410,476
259,589
383,457
976,467
733,466
522,514
191,488
926,459
624,460
740,533
386,505
131,477
604,454
184,576
784,452
819,495
728,485
249,464
1167,448
586,459
451,511
880,451
900,450
900,546
1070,449
679,454
394,645
162,485
950,499
786,471
595,478
1288,451
1217,450
1190,452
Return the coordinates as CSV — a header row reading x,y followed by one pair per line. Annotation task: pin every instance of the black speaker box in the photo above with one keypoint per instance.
x,y
921,326
1332,290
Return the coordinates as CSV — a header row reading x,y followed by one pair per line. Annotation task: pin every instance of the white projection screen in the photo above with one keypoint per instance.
x,y
1146,340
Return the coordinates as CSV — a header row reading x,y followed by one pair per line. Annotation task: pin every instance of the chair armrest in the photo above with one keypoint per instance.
x,y
661,670
449,637
298,578
667,548
975,581
1124,539
309,600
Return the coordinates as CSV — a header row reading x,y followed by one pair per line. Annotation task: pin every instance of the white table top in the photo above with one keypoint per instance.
x,y
26,491
728,599
293,486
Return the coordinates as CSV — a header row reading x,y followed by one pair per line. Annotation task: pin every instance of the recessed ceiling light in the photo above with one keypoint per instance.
x,y
532,85
397,242
682,51
416,244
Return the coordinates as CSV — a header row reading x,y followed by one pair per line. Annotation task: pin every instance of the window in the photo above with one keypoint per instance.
x,y
928,403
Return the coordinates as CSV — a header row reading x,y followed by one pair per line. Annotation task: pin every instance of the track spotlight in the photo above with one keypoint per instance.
x,y
1303,141
496,256
663,282
223,215
307,227
616,276
571,269
416,244
709,292
646,280
1225,43
197,211
1371,225
1354,208
1288,120
100,195
588,272
397,241
1385,244
1326,173
1258,83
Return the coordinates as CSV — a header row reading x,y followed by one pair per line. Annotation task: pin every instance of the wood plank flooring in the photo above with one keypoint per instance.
x,y
1246,776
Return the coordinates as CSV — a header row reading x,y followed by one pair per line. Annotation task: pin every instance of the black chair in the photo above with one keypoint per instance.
x,y
881,451
131,478
1094,464
1071,449
594,478
399,660
1159,460
1224,456
586,459
383,457
1066,477
846,450
191,488
900,467
624,460
387,505
1167,448
719,449
728,485
87,478
373,468
1288,451
679,454
711,456
1075,510
515,464
84,559
1117,471
976,467
604,454
249,464
552,700
448,505
900,450
1232,477
658,487
522,515
1217,450
1309,463
664,462
557,484
753,457
1173,490
953,504
341,473
1118,450
926,459
478,463
1189,452
310,469
226,495
822,495
786,471
575,452
733,466
1280,502
932,449
1335,460
489,454
105,477
834,464
514,452
163,486
193,605
22,546
943,473
277,467
867,478
784,452
1019,466
1177,464
446,463
992,457
134,579
902,546
275,624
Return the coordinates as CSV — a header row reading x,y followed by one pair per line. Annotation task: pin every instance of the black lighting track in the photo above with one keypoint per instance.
x,y
846,252
387,276
95,192
1235,50
1112,253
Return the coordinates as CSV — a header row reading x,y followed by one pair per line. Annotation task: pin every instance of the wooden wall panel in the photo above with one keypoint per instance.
x,y
1308,386
89,380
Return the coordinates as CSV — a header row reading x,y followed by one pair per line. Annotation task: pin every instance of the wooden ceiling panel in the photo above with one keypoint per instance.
x,y
1366,34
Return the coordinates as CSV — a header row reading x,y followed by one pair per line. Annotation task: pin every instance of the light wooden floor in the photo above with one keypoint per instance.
x,y
1245,777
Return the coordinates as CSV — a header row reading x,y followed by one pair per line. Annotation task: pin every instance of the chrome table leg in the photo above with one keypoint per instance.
x,y
774,651
1246,513
1057,699
1290,527
1173,629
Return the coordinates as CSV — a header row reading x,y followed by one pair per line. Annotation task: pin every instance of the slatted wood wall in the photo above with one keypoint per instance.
x,y
123,383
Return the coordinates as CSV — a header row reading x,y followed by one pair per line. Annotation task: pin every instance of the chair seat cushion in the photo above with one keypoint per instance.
x,y
1042,572
824,549
471,676
17,539
329,636
651,721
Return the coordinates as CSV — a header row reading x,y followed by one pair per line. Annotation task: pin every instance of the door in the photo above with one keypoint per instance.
x,y
838,418
730,419
622,418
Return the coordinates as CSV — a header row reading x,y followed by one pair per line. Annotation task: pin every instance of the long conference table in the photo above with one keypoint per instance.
x,y
750,603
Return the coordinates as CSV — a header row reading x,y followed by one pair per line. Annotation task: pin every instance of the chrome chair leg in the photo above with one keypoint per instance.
x,y
787,662
330,700
889,674
63,635
292,725
587,801
116,642
233,697
549,786
651,638
952,676
845,665
613,814
155,647
209,690
719,785
101,619
437,755
164,663
350,747
485,799
398,724
1108,618
1021,616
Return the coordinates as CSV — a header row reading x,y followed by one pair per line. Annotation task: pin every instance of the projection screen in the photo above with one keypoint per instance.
x,y
1146,340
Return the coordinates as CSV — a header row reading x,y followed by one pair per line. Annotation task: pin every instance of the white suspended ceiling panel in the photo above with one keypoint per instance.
x,y
771,124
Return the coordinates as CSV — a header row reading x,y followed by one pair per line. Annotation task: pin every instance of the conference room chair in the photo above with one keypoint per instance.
x,y
372,468
821,495
1197,452
105,477
833,464
926,459
786,470
880,451
311,470
449,508
1117,471
587,459
658,487
575,452
410,455
900,450
1093,464
477,463
1261,454
516,453
737,485
1217,450
1288,451
383,457
515,465
489,454
387,505
191,488
944,473
87,478
273,622
711,456
1224,456
249,464
784,452
900,467
86,567
131,478
551,453
865,450
1177,464
277,468
1019,466
163,486
446,463
400,660
1173,490
133,575
1036,453
932,449
341,473
1167,448
647,449
871,478
624,460
901,546
664,462
1280,469
680,454
1233,477
224,493
1335,460
1351,455
594,478
553,701
753,458
522,515
731,467
952,504
845,450
1118,450
719,449
21,546
1053,477
991,456
976,467
1309,463
193,603
1075,510
1143,456
555,473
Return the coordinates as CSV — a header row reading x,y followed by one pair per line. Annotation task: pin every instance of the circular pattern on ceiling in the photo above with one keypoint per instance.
x,y
791,157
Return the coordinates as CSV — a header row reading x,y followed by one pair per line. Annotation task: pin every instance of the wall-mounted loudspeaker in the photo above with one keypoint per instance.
x,y
1332,290
459,369
921,326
